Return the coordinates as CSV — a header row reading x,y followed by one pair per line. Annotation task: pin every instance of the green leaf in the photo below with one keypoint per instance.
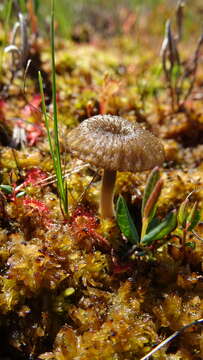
x,y
6,188
154,223
125,221
149,209
163,229
20,194
183,213
150,206
151,182
191,244
193,218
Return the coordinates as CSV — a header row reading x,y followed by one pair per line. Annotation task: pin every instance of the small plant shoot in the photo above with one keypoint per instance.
x,y
154,229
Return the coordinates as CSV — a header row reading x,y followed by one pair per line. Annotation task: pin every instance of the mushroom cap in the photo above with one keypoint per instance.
x,y
113,143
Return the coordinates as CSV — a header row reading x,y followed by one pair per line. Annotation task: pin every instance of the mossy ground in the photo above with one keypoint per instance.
x,y
63,293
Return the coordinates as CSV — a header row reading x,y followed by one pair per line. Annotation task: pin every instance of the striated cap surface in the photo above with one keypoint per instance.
x,y
113,143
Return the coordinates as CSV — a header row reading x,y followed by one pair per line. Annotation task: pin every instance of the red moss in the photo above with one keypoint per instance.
x,y
84,224
39,206
34,175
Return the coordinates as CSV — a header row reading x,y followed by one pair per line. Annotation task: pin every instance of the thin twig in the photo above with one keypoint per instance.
x,y
197,235
193,69
24,39
86,188
52,178
20,52
170,338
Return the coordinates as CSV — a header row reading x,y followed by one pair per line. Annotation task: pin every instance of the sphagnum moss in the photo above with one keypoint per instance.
x,y
116,309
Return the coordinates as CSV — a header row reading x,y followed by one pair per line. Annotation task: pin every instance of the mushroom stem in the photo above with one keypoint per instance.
x,y
107,194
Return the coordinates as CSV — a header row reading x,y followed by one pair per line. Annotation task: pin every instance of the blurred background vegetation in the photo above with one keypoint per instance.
x,y
104,16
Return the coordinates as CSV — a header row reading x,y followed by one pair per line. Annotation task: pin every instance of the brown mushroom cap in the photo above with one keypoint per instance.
x,y
113,143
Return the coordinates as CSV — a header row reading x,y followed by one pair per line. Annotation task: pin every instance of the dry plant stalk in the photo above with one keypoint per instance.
x,y
170,59
178,72
179,19
19,52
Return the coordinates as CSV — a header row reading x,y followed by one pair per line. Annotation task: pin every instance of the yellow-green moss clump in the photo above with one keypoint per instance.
x,y
69,288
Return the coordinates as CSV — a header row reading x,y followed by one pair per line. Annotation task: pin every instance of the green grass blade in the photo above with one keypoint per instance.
x,y
36,6
23,7
8,10
56,138
62,186
45,113
60,181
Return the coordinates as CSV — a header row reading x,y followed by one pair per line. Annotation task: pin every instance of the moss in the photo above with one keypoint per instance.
x,y
68,289
26,159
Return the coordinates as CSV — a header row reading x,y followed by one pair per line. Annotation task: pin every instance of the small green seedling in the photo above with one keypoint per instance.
x,y
187,221
150,198
153,229
10,190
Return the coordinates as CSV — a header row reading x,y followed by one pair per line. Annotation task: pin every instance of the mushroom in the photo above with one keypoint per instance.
x,y
114,144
